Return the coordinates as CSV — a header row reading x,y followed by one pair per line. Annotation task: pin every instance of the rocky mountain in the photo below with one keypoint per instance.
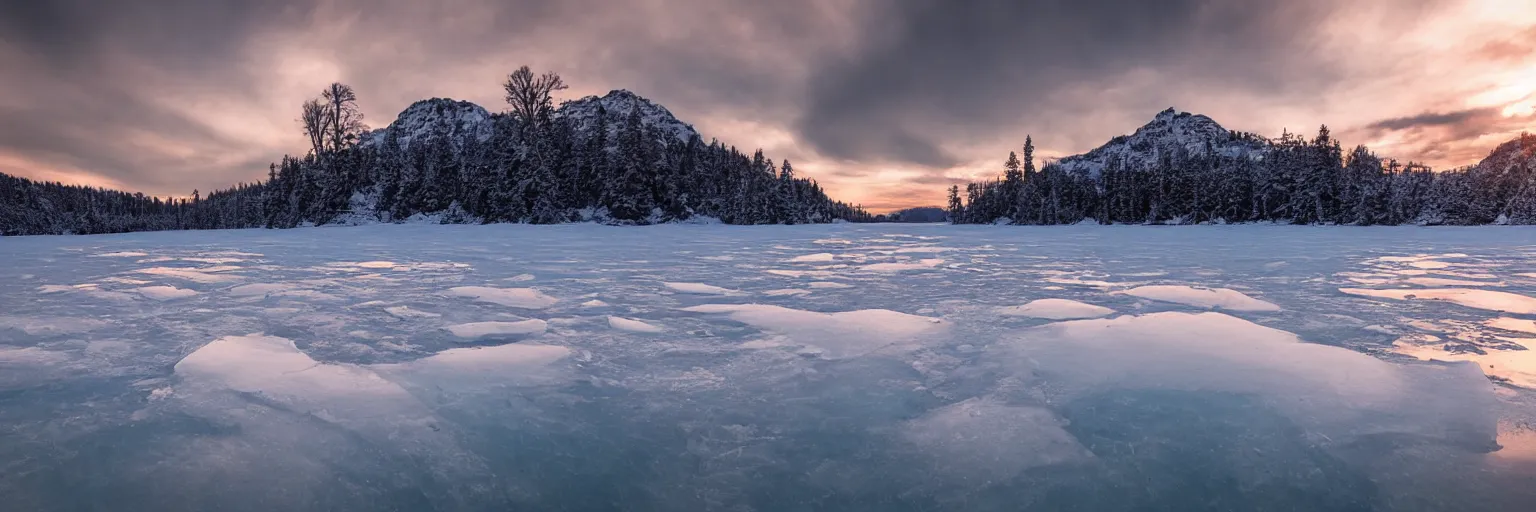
x,y
436,117
1170,130
462,120
615,107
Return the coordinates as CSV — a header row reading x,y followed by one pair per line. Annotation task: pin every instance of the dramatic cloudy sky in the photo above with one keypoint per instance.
x,y
885,102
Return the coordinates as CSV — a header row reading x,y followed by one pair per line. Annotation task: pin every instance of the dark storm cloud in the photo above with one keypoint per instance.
x,y
1429,119
178,33
1443,136
932,67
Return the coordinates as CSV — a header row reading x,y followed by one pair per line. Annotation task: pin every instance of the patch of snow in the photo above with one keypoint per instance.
x,y
842,334
821,257
698,289
483,329
1214,298
273,367
194,275
262,289
523,298
786,292
1513,324
1056,309
164,293
1472,298
631,325
1518,367
406,313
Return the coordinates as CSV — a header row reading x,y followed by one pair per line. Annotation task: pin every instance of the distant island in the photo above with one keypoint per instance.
x,y
1185,168
616,159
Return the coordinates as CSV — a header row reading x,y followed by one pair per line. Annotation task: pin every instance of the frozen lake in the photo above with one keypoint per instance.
x,y
835,367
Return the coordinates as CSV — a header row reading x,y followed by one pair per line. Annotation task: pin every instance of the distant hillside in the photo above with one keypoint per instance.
x,y
921,214
1183,168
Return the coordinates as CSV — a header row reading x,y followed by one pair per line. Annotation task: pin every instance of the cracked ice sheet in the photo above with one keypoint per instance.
x,y
726,412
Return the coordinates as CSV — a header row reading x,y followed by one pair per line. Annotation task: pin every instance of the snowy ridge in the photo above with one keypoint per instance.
x,y
615,106
1170,130
433,118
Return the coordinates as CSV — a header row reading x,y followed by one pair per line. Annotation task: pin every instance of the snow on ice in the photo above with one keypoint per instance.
x,y
1213,298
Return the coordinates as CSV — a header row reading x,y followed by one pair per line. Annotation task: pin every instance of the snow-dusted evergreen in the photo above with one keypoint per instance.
x,y
617,159
1183,168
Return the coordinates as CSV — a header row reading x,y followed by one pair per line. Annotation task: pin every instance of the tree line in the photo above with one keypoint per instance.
x,y
534,166
1291,179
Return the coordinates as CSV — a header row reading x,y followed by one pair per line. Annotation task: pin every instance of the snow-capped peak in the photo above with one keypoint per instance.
x,y
436,117
1169,130
616,106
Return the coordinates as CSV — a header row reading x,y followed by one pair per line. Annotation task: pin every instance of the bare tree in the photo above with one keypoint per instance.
x,y
333,120
344,119
530,96
315,125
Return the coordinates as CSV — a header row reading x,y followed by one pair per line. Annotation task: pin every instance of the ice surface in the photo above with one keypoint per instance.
x,y
787,385
483,329
1056,309
524,298
1215,298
